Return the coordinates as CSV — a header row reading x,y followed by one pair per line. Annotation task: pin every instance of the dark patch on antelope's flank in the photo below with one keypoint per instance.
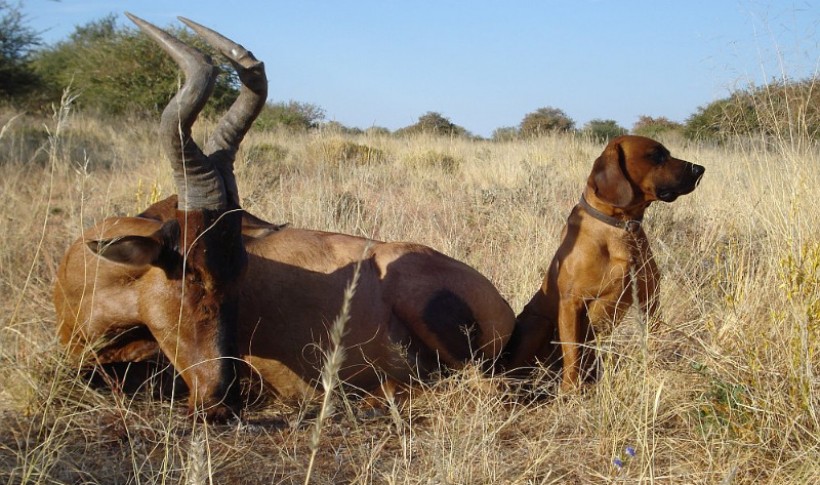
x,y
452,321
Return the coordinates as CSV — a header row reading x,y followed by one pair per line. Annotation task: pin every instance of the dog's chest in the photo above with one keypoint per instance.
x,y
627,262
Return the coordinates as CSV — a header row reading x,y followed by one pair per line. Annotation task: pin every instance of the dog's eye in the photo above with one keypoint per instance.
x,y
658,157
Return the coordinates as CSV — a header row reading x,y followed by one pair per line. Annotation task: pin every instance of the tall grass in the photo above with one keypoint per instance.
x,y
725,391
330,369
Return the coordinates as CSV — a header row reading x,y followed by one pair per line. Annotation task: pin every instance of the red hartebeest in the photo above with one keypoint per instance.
x,y
204,283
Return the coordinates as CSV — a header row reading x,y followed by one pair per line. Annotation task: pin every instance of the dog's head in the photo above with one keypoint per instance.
x,y
635,170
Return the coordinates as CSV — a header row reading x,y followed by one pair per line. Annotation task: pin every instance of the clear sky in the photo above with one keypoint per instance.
x,y
486,64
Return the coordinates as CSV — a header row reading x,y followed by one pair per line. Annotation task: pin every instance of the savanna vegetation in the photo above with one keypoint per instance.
x,y
119,72
725,391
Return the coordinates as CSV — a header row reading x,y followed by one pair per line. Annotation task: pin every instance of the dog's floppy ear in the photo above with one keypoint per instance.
x,y
608,178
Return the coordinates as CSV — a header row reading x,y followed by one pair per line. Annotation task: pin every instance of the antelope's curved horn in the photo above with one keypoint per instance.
x,y
199,184
236,122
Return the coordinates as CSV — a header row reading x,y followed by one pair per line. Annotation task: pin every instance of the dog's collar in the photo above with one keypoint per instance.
x,y
629,225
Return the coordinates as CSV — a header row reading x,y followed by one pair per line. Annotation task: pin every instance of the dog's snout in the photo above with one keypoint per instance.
x,y
698,170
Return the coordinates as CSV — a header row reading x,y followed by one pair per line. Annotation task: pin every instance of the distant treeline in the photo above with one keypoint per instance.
x,y
116,70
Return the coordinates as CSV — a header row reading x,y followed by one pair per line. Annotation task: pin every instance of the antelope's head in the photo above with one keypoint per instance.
x,y
192,261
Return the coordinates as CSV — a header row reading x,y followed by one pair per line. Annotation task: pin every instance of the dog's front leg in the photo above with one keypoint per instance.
x,y
648,286
572,323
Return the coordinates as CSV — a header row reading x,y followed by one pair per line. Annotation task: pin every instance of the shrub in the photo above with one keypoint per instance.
x,y
780,109
603,130
433,159
722,118
545,120
339,129
505,133
267,152
655,127
336,151
291,115
377,131
432,123
118,70
16,42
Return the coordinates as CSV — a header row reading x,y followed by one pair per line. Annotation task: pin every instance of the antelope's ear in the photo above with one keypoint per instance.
x,y
130,250
608,178
140,250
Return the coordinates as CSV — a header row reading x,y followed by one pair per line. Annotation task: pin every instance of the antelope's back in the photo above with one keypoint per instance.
x,y
414,308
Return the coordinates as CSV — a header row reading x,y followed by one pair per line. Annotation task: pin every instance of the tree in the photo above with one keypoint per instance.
x,y
782,108
291,115
545,120
339,128
117,69
435,124
723,118
655,127
377,131
603,130
16,44
505,133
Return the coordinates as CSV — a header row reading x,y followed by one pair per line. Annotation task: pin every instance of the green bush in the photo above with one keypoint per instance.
x,y
377,131
603,130
545,120
505,133
339,129
655,127
780,109
723,118
291,115
16,43
118,70
432,123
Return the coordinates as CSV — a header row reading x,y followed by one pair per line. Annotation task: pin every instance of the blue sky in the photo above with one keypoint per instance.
x,y
486,64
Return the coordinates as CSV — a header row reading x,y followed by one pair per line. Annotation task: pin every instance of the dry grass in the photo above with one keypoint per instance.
x,y
726,392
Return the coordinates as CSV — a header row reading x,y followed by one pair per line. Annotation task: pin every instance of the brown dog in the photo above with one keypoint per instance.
x,y
604,258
